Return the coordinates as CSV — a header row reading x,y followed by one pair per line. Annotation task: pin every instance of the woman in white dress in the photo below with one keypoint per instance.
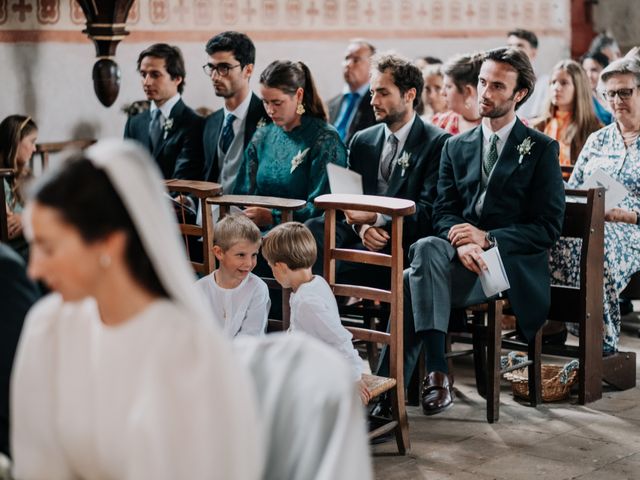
x,y
119,375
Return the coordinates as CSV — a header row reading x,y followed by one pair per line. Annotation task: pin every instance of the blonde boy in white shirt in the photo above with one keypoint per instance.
x,y
238,299
290,250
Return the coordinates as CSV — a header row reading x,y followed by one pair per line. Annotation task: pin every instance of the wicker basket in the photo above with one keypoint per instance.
x,y
557,381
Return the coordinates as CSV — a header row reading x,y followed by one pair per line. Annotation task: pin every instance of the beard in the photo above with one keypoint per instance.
x,y
392,116
497,111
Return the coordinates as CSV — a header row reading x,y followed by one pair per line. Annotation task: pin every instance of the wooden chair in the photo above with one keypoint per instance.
x,y
4,229
43,150
202,191
286,206
396,209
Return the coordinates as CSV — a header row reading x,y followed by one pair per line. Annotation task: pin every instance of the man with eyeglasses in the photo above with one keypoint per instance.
x,y
170,130
351,111
228,131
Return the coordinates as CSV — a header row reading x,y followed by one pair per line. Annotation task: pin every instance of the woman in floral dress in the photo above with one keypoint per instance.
x,y
289,157
615,149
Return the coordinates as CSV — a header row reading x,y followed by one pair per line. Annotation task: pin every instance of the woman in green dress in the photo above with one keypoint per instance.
x,y
18,135
288,158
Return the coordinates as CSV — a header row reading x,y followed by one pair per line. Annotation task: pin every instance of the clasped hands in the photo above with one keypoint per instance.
x,y
469,242
14,224
621,216
373,238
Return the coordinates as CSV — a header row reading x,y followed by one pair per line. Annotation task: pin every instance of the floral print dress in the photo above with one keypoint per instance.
x,y
605,149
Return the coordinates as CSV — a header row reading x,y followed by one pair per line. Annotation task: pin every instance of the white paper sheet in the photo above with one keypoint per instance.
x,y
494,280
615,192
343,180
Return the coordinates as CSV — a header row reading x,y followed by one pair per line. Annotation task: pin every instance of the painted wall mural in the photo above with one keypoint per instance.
x,y
277,19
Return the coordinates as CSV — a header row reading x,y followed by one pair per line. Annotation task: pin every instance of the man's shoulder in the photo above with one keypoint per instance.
x,y
429,131
368,134
187,115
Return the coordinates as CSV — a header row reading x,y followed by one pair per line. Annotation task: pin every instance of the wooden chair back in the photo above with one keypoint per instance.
x,y
44,150
5,173
201,191
286,206
397,209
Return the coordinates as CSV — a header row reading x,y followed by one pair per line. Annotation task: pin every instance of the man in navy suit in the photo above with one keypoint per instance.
x,y
170,130
399,158
499,185
228,131
351,111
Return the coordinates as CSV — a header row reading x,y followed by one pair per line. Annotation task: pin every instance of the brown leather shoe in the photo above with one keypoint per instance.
x,y
437,393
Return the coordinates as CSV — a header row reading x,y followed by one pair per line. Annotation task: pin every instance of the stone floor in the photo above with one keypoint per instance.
x,y
556,441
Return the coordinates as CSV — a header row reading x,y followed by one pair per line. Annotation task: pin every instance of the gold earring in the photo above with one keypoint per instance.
x,y
300,109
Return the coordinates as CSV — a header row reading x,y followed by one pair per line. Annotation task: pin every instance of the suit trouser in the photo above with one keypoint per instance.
x,y
434,283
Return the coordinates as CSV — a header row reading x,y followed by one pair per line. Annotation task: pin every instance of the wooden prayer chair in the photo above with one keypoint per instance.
x,y
43,150
396,209
4,229
286,206
202,264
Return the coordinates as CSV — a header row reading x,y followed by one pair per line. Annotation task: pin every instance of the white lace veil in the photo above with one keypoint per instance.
x,y
139,184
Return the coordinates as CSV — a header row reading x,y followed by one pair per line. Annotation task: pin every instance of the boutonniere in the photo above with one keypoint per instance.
x,y
524,149
403,162
261,123
166,128
298,158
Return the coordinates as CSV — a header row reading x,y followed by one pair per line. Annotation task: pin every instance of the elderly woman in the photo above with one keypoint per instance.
x,y
288,158
616,150
119,373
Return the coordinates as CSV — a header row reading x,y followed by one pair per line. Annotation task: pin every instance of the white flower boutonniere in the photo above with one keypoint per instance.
x,y
261,123
403,162
166,128
525,148
298,158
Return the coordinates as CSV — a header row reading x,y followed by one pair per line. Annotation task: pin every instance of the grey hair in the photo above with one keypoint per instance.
x,y
622,66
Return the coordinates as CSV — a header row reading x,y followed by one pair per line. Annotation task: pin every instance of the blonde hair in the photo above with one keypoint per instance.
x,y
233,229
292,244
583,118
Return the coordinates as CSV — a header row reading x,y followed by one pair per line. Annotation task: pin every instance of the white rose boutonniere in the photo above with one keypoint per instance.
x,y
298,158
403,162
525,148
166,128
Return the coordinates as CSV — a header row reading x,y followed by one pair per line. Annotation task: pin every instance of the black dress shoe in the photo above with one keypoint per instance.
x,y
437,393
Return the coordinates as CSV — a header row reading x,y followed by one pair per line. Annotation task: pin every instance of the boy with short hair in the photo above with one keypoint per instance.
x,y
238,298
290,250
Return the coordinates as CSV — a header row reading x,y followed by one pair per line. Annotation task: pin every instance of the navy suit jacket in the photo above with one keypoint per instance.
x,y
179,151
523,209
213,129
418,183
363,118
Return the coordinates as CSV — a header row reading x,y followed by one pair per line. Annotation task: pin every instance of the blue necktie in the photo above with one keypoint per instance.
x,y
155,128
351,99
227,133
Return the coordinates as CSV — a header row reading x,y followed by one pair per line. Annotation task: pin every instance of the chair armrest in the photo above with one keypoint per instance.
x,y
395,207
258,201
194,187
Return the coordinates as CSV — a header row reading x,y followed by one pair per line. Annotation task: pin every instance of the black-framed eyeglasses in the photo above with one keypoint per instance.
x,y
623,93
222,68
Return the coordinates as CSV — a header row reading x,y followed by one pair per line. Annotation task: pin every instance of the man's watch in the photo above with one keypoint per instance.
x,y
491,240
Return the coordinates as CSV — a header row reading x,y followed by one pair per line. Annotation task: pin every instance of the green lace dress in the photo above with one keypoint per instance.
x,y
291,164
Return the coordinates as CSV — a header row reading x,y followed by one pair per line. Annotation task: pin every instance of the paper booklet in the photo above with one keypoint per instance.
x,y
343,180
494,280
615,192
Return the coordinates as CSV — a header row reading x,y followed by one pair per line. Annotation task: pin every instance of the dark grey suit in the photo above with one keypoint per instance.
x,y
179,151
363,118
523,209
213,129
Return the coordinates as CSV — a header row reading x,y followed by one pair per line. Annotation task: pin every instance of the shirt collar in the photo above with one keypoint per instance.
x,y
241,110
402,133
167,106
361,91
503,133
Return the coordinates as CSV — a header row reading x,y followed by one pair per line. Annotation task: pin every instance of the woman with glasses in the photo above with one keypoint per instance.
x,y
614,149
18,135
569,116
288,158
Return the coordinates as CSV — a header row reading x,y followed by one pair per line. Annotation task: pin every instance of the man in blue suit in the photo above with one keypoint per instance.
x,y
170,130
228,131
499,184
